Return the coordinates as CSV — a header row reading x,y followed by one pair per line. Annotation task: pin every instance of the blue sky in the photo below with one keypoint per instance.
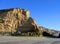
x,y
45,12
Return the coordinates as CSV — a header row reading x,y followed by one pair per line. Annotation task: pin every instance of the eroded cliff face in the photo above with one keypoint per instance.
x,y
16,20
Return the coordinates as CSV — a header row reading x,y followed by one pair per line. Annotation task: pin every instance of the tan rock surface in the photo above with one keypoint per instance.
x,y
16,19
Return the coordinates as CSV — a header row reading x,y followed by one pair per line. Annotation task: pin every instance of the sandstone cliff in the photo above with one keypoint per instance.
x,y
16,20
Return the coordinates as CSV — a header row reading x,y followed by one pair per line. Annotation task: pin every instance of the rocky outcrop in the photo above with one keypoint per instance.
x,y
48,32
16,20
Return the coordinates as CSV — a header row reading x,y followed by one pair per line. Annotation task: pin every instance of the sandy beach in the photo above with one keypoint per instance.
x,y
28,40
